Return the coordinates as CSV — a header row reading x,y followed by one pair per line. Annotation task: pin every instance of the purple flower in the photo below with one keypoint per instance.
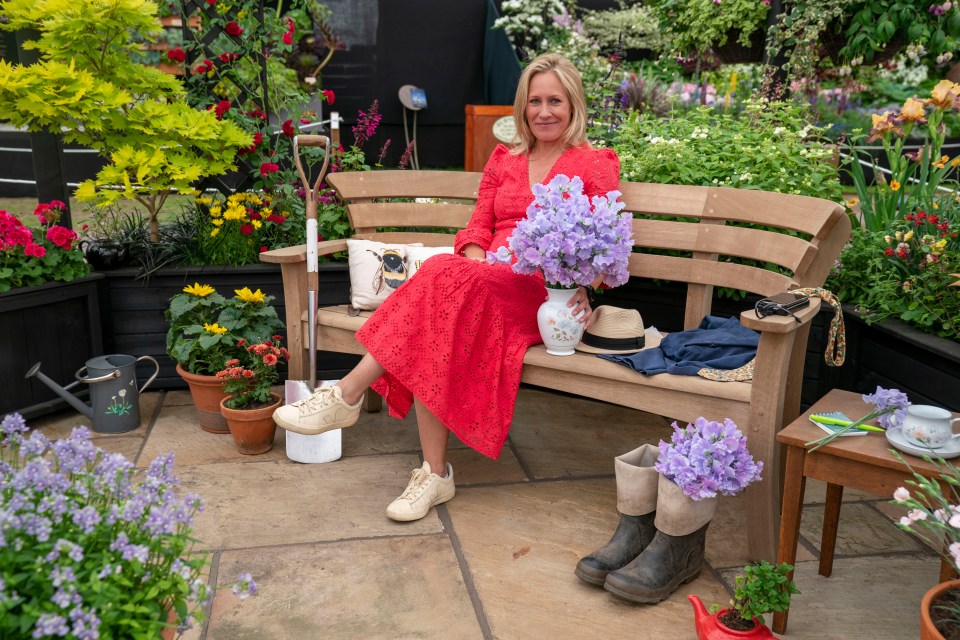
x,y
893,401
49,624
707,458
572,238
244,587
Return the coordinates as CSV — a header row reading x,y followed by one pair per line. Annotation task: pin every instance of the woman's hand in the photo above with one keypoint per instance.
x,y
581,302
474,252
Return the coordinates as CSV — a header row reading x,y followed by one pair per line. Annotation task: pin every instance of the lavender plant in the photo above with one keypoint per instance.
x,y
707,458
571,238
88,552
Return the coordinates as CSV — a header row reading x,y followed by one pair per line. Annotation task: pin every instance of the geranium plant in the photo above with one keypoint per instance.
x,y
206,329
247,380
31,257
88,547
708,458
571,238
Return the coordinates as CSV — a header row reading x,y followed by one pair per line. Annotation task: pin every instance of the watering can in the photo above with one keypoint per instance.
x,y
114,397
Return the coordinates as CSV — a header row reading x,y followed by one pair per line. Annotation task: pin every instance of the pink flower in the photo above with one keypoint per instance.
x,y
61,236
34,250
233,29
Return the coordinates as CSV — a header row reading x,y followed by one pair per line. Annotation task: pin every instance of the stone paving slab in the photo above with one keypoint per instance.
x,y
407,587
862,531
522,543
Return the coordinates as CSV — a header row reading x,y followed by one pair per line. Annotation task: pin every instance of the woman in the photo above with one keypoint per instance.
x,y
451,341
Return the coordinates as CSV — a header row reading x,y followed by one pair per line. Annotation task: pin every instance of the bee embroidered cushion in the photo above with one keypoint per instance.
x,y
416,255
376,270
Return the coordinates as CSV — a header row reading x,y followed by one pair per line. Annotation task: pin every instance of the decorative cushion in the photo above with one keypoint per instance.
x,y
416,255
376,270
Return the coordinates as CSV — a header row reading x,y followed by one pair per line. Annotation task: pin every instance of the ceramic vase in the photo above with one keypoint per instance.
x,y
559,328
206,393
709,626
252,429
928,631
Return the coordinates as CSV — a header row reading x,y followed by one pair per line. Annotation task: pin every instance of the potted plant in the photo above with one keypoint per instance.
x,y
30,257
115,558
933,506
249,405
206,331
763,588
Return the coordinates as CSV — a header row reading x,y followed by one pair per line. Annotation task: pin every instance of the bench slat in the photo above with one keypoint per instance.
x,y
709,272
358,185
409,214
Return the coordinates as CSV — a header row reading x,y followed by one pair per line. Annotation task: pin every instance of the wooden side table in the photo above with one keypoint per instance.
x,y
860,462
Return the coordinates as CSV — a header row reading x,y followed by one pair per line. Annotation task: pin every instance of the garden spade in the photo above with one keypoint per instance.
x,y
300,389
324,447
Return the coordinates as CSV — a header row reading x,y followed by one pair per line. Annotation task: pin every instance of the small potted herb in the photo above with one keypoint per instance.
x,y
763,588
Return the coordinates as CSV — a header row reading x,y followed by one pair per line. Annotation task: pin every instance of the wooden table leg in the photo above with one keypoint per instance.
x,y
793,488
831,523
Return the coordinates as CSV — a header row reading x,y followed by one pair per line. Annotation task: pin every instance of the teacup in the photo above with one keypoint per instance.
x,y
928,426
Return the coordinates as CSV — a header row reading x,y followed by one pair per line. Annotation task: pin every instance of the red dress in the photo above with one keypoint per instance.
x,y
455,334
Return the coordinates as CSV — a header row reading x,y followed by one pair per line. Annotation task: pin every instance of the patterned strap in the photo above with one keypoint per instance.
x,y
837,341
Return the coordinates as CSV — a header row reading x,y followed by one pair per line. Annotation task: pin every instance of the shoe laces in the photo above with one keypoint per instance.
x,y
418,482
320,400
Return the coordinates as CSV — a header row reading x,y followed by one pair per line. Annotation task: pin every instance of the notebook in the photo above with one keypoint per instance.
x,y
831,428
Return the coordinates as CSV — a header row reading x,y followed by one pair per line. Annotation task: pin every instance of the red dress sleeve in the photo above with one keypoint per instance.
x,y
480,229
602,172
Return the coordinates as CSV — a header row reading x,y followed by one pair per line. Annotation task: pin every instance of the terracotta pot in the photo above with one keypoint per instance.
x,y
206,392
169,633
927,630
709,626
252,429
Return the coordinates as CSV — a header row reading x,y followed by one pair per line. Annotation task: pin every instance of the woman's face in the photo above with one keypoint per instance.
x,y
548,109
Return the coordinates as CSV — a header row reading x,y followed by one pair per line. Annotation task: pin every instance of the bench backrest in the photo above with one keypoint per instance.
x,y
799,235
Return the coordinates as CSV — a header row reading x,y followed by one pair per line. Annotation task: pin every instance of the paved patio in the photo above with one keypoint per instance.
x,y
497,561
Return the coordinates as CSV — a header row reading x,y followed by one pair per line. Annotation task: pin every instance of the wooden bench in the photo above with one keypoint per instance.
x,y
802,235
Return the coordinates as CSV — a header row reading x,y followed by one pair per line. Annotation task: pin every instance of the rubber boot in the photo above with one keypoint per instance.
x,y
675,556
637,503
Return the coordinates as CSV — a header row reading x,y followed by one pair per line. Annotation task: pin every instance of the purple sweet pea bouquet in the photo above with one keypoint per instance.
x,y
572,238
707,458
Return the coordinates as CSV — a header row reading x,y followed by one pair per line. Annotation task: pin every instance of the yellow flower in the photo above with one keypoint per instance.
x,y
256,224
199,290
908,235
218,222
215,210
205,200
936,206
941,163
912,110
944,94
214,328
940,245
852,202
894,185
955,161
214,232
250,296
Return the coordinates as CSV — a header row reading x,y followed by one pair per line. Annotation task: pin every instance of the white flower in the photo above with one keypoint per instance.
x,y
916,515
901,494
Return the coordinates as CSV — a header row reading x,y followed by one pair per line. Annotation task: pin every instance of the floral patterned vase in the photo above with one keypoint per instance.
x,y
559,328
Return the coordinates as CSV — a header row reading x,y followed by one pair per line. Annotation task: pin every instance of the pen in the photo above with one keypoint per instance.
x,y
843,423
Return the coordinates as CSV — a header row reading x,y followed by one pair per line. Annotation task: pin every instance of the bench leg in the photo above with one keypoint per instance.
x,y
372,401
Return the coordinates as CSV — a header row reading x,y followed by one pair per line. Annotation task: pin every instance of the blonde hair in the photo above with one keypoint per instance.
x,y
569,77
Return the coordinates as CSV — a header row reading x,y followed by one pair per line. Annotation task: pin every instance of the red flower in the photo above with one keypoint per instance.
x,y
57,204
241,342
233,29
277,338
888,251
253,215
211,2
41,213
246,229
328,94
288,40
305,120
222,107
228,57
270,360
264,248
288,128
257,139
204,67
277,219
267,168
257,113
34,250
177,55
61,236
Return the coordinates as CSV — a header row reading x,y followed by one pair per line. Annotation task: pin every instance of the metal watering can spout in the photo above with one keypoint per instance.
x,y
114,396
64,392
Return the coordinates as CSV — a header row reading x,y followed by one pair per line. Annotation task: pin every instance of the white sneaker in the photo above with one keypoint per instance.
x,y
424,490
324,411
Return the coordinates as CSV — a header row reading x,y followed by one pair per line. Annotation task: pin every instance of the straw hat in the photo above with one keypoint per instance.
x,y
614,330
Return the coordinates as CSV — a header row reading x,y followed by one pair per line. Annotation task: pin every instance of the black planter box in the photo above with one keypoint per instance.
x,y
134,324
57,325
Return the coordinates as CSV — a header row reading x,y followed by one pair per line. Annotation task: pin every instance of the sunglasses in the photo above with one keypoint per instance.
x,y
782,304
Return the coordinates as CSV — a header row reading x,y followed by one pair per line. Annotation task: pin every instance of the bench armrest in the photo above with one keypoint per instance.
x,y
292,255
780,324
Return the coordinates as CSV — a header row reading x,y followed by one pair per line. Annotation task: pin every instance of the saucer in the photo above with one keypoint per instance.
x,y
949,450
